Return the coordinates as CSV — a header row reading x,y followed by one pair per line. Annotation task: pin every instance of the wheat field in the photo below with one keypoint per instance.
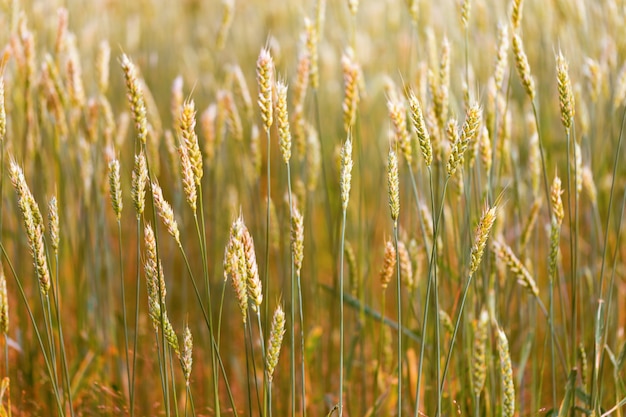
x,y
318,207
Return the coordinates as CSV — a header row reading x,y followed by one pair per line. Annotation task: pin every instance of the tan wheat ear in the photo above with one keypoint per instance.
x,y
351,89
566,94
297,239
346,172
282,121
397,114
115,187
393,183
481,236
389,263
277,332
523,68
479,358
265,80
421,129
165,212
135,98
502,53
4,304
313,29
186,358
506,376
53,224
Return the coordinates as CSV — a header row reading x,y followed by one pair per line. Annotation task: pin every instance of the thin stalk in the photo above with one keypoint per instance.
x,y
431,278
266,283
292,338
123,295
202,241
66,373
209,326
380,350
135,337
262,337
343,236
594,381
175,395
303,383
36,329
399,296
573,344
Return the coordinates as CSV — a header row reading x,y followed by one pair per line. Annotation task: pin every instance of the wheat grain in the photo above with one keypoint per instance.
x,y
265,80
277,332
506,376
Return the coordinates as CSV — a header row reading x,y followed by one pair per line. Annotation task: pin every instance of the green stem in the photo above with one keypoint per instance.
x,y
399,296
343,236
123,295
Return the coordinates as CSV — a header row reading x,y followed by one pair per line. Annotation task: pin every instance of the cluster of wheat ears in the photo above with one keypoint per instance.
x,y
414,208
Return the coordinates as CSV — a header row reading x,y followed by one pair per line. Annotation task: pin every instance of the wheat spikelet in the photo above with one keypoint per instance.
x,y
397,114
235,265
351,90
135,98
440,87
479,359
353,6
139,180
188,177
282,121
186,359
566,95
523,68
255,289
115,187
516,13
4,304
151,267
480,237
555,198
517,268
74,73
485,150
389,263
60,38
454,159
225,23
312,39
53,224
297,239
502,53
265,80
394,186
277,332
506,376
419,125
33,223
346,172
165,212
186,127
465,7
